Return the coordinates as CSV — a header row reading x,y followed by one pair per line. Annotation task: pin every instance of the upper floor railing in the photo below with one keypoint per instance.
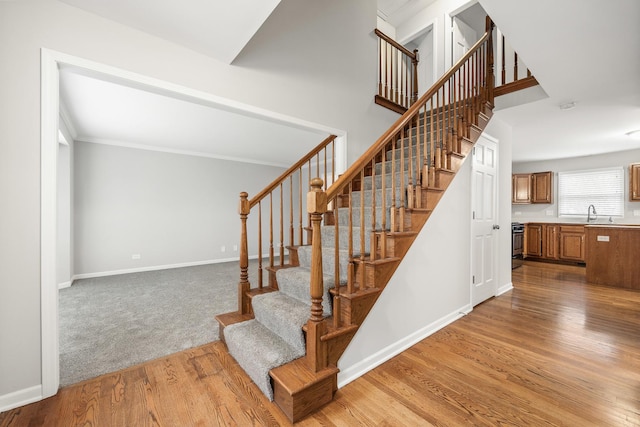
x,y
397,74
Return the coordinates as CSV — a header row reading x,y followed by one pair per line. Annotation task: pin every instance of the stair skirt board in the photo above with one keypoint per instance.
x,y
355,371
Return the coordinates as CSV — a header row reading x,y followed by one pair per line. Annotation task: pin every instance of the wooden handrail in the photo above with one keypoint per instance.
x,y
268,189
395,44
359,164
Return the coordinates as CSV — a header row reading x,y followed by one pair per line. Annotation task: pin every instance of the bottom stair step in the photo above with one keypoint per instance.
x,y
258,350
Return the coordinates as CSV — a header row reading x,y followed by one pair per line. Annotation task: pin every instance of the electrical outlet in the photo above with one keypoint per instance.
x,y
223,249
549,212
636,212
235,248
135,256
517,213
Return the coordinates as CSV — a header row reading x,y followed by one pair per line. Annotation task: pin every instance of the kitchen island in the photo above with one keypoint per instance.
x,y
613,255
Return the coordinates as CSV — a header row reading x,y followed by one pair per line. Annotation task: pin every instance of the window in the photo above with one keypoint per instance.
x,y
603,188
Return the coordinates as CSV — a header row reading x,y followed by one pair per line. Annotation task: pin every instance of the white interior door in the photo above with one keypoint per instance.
x,y
484,246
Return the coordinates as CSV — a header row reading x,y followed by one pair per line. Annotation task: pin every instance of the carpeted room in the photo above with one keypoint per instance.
x,y
171,211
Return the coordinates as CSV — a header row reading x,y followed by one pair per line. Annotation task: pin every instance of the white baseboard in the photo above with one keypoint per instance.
x,y
64,285
157,267
345,376
20,398
504,288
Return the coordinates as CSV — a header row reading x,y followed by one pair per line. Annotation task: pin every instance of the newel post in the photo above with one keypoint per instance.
x,y
243,285
414,61
316,327
490,71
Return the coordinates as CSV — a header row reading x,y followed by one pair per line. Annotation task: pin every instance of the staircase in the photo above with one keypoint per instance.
x,y
290,331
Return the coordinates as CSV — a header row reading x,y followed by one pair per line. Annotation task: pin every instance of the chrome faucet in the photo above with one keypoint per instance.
x,y
591,209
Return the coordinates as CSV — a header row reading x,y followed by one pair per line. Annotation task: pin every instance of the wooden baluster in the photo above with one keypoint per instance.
x,y
281,254
243,285
394,212
291,229
260,244
333,161
361,267
410,194
403,188
414,62
438,149
503,74
418,162
350,273
271,230
380,92
300,206
336,254
316,327
326,181
388,91
383,176
490,59
425,160
372,246
407,80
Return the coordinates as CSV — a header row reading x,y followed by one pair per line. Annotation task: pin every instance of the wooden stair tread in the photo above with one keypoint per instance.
x,y
359,293
259,291
295,376
231,318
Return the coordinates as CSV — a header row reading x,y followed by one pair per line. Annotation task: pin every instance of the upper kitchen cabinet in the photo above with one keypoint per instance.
x,y
532,188
521,188
634,185
541,187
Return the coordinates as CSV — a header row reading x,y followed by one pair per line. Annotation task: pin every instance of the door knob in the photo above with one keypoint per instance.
x,y
496,227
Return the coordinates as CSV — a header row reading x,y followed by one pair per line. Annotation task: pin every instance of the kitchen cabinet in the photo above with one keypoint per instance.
x,y
553,241
541,187
572,243
533,240
634,185
521,188
550,241
530,188
612,258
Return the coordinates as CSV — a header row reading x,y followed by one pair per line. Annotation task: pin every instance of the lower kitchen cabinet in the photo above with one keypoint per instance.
x,y
572,246
553,241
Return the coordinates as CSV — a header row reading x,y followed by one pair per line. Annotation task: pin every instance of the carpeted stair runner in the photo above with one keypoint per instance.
x,y
275,336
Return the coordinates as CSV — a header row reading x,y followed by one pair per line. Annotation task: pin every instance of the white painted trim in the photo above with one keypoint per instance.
x,y
132,145
378,358
66,284
504,289
160,267
49,114
20,398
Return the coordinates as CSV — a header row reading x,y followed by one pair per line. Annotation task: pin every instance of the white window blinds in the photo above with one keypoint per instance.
x,y
603,188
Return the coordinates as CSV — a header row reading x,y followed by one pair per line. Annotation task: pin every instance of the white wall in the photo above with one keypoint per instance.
x,y
294,65
432,285
170,209
538,212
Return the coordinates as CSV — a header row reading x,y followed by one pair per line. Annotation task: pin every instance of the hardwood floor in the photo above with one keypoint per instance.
x,y
554,351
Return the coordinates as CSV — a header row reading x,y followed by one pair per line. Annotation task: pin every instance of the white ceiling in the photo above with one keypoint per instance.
x,y
580,51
